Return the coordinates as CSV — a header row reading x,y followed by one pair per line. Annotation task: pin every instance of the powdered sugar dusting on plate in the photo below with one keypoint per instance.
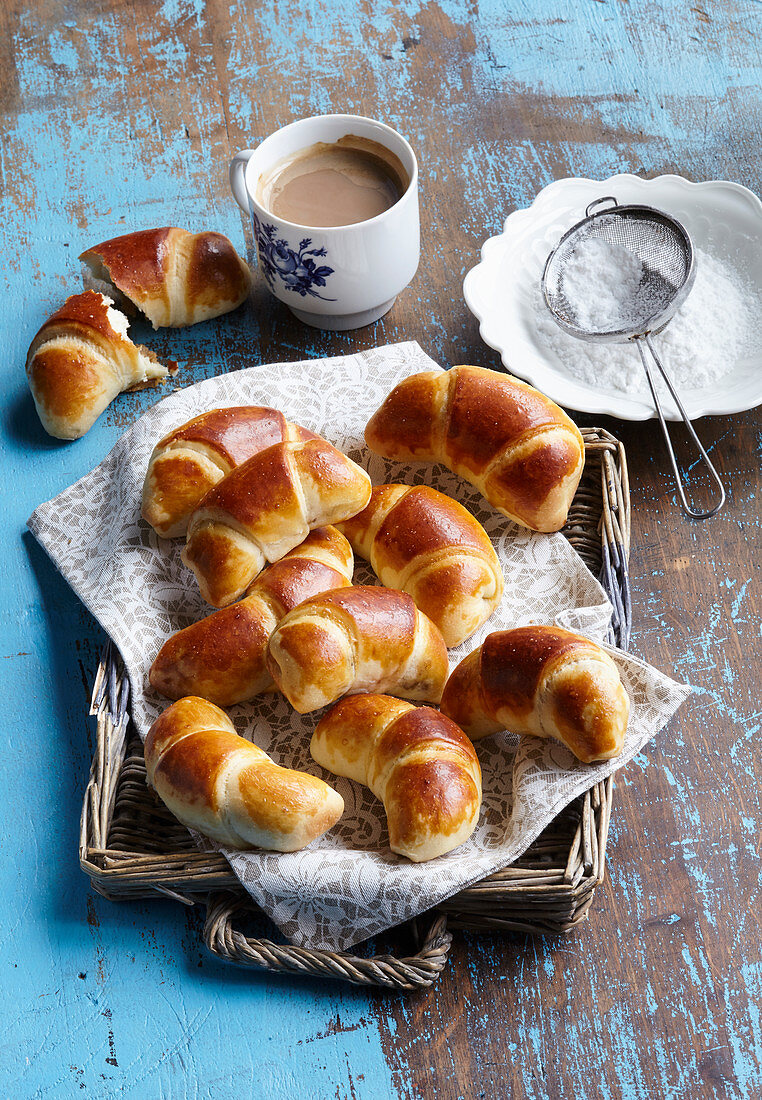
x,y
713,329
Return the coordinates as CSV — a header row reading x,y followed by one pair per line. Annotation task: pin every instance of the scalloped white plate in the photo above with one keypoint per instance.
x,y
723,218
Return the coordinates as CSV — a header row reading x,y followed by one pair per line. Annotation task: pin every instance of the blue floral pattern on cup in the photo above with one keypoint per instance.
x,y
297,271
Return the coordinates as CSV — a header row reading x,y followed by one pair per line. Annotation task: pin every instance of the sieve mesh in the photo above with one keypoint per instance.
x,y
661,245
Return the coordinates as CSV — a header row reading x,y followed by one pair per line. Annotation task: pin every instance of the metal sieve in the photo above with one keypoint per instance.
x,y
664,249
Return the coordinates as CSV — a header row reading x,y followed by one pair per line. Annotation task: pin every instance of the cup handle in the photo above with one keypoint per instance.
x,y
237,175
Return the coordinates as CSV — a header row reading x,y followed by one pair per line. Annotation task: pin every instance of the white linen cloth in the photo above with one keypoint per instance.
x,y
347,885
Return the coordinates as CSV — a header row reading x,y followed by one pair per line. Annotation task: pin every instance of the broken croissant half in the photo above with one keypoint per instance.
x,y
175,278
80,360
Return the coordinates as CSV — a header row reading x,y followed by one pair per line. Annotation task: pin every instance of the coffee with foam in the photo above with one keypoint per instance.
x,y
334,183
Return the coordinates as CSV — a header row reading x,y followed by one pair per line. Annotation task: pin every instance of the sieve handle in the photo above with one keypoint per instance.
x,y
598,202
665,431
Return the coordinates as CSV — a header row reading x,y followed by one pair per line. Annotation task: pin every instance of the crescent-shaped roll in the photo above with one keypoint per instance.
x,y
543,681
174,277
266,507
80,360
428,545
514,444
364,638
222,657
222,785
190,461
422,767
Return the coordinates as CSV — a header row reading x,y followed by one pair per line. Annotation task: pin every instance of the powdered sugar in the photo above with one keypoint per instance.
x,y
600,282
703,342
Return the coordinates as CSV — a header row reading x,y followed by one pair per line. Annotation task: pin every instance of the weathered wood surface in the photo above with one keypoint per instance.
x,y
121,114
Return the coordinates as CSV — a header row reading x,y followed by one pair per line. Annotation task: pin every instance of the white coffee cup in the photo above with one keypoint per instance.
x,y
332,277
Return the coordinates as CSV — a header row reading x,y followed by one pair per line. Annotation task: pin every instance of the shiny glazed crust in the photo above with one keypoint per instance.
x,y
514,444
190,461
266,507
543,681
423,542
360,639
422,767
174,277
217,782
79,362
222,657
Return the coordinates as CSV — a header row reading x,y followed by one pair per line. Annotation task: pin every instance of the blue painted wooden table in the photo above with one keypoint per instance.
x,y
121,115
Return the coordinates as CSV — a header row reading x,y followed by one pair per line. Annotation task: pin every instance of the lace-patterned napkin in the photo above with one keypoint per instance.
x,y
347,885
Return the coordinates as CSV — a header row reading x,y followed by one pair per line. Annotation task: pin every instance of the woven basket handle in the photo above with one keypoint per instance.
x,y
417,971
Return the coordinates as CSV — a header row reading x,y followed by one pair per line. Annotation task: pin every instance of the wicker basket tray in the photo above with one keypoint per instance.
x,y
132,847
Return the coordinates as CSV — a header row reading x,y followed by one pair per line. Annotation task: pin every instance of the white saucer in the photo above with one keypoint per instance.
x,y
721,217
